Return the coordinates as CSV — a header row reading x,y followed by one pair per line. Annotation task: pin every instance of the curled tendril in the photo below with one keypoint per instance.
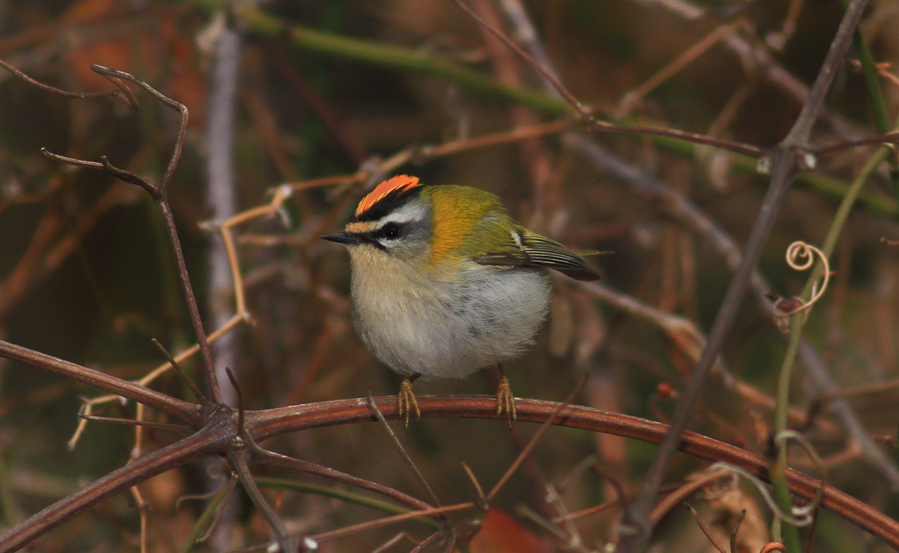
x,y
801,257
717,489
799,516
781,440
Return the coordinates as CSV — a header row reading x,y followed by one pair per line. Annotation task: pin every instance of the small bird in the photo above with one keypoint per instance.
x,y
444,282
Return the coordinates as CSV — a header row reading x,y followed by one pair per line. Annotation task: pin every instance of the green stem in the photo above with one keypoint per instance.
x,y
206,517
417,61
397,57
384,506
878,106
781,490
789,534
872,80
9,511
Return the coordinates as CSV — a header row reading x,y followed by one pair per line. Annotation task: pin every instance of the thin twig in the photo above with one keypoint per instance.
x,y
528,513
536,438
121,92
679,495
212,514
265,456
633,97
602,126
339,492
182,409
733,533
204,441
435,538
705,530
402,451
811,532
386,521
238,458
148,378
190,383
133,422
479,491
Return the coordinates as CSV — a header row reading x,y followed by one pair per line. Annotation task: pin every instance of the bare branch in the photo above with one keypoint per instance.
x,y
182,409
122,92
602,126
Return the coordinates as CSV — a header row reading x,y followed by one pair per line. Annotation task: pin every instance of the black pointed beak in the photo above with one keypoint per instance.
x,y
343,238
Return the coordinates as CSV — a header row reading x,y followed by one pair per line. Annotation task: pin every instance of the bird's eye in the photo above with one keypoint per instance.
x,y
391,230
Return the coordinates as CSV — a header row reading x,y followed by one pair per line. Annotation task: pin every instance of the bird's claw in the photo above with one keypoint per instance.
x,y
406,402
505,401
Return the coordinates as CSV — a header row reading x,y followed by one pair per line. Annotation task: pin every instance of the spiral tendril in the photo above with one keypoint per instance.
x,y
801,257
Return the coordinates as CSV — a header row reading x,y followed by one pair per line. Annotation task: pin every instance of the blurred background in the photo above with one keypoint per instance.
x,y
327,89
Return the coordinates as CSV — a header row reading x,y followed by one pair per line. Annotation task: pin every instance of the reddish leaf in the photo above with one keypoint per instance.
x,y
501,534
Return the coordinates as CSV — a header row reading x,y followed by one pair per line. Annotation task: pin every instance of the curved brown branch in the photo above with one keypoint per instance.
x,y
180,408
208,440
216,436
265,424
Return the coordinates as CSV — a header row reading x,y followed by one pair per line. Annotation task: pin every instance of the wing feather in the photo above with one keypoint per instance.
x,y
529,249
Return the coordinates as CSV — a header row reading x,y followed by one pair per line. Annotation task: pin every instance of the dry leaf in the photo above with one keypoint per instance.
x,y
501,534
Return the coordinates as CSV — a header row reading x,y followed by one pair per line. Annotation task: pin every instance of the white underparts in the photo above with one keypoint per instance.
x,y
470,316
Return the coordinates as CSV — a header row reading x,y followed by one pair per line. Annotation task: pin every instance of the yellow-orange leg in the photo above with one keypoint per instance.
x,y
406,401
505,401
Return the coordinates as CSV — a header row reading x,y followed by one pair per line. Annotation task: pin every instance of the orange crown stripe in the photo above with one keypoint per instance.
x,y
398,183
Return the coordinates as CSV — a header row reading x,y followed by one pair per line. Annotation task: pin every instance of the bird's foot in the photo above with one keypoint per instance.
x,y
406,402
505,401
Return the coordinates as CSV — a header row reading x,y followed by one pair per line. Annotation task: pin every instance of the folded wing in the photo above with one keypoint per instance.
x,y
529,249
